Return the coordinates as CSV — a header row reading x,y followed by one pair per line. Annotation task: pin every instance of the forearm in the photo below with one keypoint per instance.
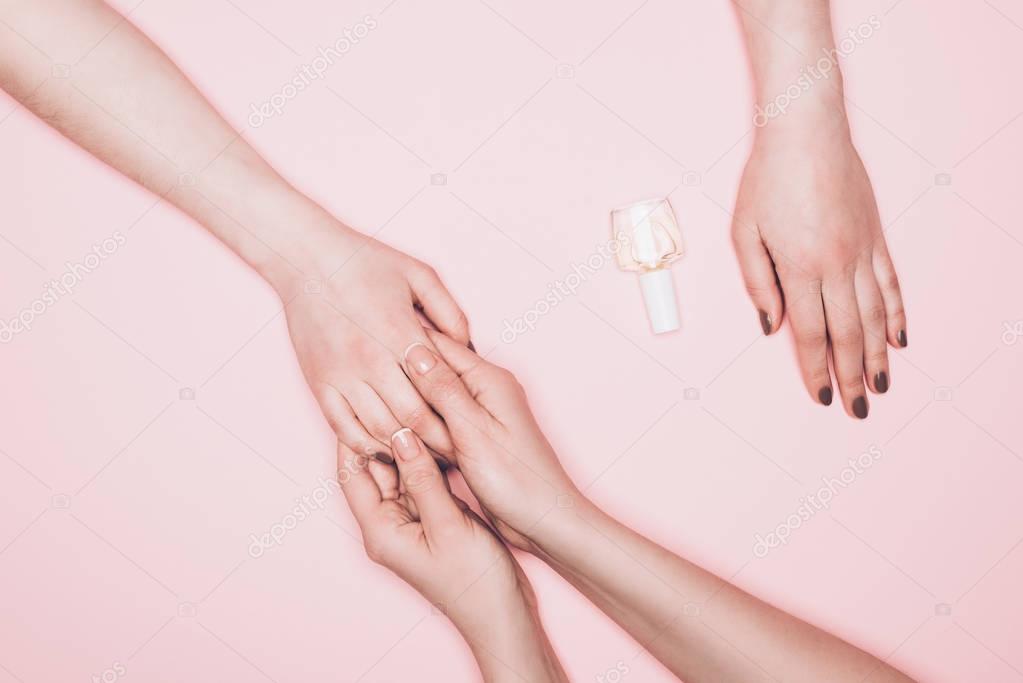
x,y
795,62
697,625
513,650
124,101
503,629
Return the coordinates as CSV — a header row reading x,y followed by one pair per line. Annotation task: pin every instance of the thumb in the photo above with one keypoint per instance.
x,y
438,304
759,275
423,481
444,390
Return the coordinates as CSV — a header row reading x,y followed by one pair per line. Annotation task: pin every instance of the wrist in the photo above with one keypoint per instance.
x,y
310,252
507,638
798,95
514,648
804,125
501,589
797,63
281,233
556,537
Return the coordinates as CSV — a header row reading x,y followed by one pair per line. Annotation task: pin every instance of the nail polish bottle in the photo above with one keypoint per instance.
x,y
648,242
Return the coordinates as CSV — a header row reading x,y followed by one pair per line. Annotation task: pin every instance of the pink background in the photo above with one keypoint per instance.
x,y
126,510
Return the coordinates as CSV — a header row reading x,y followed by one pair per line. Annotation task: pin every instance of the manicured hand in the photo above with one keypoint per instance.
x,y
414,526
810,246
499,449
349,337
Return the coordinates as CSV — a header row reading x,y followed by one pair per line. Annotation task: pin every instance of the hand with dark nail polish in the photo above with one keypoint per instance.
x,y
806,227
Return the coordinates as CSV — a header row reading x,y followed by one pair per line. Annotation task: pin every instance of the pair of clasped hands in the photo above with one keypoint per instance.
x,y
698,626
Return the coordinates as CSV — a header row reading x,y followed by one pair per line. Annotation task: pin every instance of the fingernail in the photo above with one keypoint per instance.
x,y
881,382
384,458
472,347
419,358
765,322
860,407
405,444
824,395
901,338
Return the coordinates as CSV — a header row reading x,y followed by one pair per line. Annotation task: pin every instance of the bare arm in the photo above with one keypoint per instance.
x,y
699,626
128,105
124,101
806,227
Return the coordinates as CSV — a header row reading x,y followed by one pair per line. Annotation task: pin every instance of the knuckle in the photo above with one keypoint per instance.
x,y
447,387
851,387
757,289
333,406
812,339
890,281
336,420
379,427
846,337
510,382
376,548
879,357
875,315
500,375
429,273
418,418
818,376
421,479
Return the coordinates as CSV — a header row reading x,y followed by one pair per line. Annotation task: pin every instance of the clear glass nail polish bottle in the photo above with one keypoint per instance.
x,y
649,241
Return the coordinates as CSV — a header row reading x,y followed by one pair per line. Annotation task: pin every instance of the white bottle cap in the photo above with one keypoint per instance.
x,y
659,294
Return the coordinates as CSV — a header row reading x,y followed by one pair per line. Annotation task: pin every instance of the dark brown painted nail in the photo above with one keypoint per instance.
x,y
472,347
901,338
384,458
824,395
765,322
860,407
881,382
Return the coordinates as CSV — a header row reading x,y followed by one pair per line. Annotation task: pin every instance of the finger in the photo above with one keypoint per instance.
x,y
410,410
872,315
846,333
461,359
386,478
444,390
438,304
409,502
810,331
357,484
487,383
758,274
348,428
423,482
891,293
